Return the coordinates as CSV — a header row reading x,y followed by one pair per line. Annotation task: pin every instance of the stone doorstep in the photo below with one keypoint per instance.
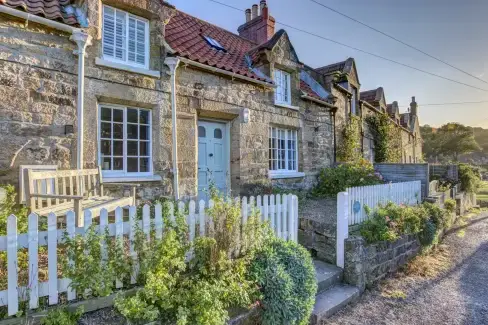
x,y
329,302
327,275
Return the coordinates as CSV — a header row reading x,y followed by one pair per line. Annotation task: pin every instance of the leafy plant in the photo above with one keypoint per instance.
x,y
450,205
470,181
285,274
428,235
349,149
333,180
10,206
387,138
438,215
62,316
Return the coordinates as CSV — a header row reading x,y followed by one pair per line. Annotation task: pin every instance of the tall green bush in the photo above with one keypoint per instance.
x,y
286,276
333,180
470,180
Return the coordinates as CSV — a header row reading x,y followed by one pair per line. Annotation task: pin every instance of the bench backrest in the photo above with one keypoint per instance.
x,y
85,182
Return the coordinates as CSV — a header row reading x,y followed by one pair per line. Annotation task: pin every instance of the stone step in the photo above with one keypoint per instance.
x,y
329,302
327,275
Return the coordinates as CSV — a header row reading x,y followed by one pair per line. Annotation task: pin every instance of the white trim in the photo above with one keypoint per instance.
x,y
287,76
227,73
128,179
286,131
127,67
281,175
295,108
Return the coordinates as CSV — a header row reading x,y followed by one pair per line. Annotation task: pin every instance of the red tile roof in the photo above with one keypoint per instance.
x,y
50,9
185,35
305,88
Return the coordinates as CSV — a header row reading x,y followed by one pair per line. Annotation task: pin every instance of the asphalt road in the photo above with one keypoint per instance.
x,y
457,296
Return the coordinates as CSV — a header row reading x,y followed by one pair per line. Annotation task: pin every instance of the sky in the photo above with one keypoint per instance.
x,y
455,31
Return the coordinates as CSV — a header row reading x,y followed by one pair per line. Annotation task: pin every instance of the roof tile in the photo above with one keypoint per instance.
x,y
50,9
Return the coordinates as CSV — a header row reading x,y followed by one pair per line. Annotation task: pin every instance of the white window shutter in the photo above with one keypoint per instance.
x,y
120,35
132,40
108,31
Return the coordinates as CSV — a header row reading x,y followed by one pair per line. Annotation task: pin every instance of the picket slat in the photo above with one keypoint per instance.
x,y
33,261
280,210
52,255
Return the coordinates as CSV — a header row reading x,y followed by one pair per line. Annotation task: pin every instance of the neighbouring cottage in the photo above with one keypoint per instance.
x,y
159,89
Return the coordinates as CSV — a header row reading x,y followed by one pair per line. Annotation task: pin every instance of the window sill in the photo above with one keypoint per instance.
x,y
126,67
295,108
286,175
131,179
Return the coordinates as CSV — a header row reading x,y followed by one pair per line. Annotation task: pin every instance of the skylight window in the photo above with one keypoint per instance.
x,y
215,44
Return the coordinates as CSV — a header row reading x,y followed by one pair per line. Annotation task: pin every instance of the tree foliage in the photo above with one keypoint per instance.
x,y
349,149
387,138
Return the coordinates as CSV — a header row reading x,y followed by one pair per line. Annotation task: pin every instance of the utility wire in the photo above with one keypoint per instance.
x,y
360,50
398,40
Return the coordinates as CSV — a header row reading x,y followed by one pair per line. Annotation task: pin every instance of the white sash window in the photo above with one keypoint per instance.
x,y
283,89
283,150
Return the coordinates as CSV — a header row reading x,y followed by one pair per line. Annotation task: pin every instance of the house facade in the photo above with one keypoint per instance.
x,y
155,96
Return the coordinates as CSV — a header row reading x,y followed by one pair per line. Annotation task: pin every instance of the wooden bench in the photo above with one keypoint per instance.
x,y
72,190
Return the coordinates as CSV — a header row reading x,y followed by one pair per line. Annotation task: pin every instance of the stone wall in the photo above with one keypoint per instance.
x,y
465,202
366,264
318,228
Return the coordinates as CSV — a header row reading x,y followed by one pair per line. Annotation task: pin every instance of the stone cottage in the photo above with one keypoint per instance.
x,y
155,96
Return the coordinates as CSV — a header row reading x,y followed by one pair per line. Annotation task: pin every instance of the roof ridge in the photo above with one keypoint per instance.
x,y
216,26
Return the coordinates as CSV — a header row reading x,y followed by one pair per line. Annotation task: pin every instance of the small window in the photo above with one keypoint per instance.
x,y
283,150
218,134
202,133
354,101
215,44
125,38
283,89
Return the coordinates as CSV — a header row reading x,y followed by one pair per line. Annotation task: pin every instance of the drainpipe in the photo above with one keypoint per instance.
x,y
172,63
82,39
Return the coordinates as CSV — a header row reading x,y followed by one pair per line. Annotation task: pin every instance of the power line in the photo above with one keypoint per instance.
x,y
360,50
398,40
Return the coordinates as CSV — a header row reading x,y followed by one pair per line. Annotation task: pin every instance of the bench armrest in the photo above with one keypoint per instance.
x,y
122,184
56,196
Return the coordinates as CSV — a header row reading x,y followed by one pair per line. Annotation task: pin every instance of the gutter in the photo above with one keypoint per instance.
x,y
82,39
318,101
227,73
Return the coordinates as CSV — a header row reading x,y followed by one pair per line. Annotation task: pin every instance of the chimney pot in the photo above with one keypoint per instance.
x,y
262,4
413,99
248,15
254,11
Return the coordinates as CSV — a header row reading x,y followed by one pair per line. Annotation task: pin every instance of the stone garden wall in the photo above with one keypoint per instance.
x,y
366,264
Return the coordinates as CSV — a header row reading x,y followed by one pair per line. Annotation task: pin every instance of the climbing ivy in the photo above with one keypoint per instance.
x,y
349,149
387,138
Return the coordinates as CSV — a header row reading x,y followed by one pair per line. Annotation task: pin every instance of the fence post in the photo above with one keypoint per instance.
x,y
70,232
342,225
12,294
33,261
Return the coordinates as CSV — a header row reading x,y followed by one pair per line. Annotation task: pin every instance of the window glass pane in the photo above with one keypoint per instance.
x,y
106,163
118,115
118,163
132,148
106,148
132,131
132,115
144,148
118,148
201,132
106,130
218,134
144,134
144,165
118,131
106,114
132,165
143,116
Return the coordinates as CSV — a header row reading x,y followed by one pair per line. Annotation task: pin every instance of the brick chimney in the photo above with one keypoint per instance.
x,y
261,27
413,107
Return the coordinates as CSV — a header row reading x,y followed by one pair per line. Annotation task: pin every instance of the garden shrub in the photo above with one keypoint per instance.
x,y
333,180
62,316
450,205
470,180
429,234
439,216
10,206
286,276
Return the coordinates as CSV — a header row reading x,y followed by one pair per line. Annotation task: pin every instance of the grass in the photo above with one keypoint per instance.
x,y
429,265
482,194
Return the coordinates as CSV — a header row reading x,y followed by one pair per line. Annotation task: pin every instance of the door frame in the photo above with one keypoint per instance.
x,y
227,144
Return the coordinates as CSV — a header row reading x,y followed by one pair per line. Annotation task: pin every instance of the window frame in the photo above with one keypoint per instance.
x,y
354,99
147,40
288,90
124,173
270,160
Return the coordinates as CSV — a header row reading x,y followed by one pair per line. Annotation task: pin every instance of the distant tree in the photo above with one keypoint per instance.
x,y
454,139
431,145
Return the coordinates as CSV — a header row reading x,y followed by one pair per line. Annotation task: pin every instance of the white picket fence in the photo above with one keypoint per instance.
x,y
408,193
281,211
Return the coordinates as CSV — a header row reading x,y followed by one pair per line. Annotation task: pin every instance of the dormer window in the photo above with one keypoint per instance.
x,y
125,38
215,44
283,88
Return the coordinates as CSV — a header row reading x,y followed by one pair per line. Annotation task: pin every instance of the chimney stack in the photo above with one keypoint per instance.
x,y
413,107
258,28
255,12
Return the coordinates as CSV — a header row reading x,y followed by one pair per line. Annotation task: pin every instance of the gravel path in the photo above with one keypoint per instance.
x,y
458,296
